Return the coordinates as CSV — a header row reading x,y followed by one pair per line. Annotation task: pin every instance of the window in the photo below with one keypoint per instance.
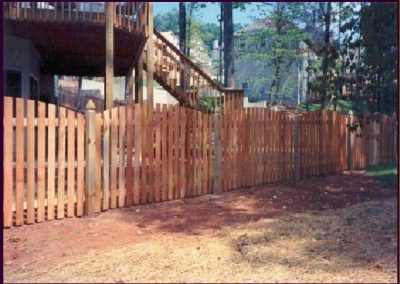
x,y
245,85
12,83
33,89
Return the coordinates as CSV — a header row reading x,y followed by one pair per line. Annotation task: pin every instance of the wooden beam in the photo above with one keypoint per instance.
x,y
131,87
150,54
90,158
139,80
109,74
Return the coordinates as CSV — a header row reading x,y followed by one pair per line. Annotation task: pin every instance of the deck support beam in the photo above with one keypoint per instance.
x,y
109,74
139,80
150,54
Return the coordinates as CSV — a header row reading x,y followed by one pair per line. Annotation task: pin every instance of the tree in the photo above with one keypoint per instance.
x,y
276,45
379,33
167,21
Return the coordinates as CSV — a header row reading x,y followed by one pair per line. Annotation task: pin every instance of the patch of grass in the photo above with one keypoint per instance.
x,y
385,173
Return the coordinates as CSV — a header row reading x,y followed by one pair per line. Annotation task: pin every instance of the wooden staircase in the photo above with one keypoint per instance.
x,y
185,81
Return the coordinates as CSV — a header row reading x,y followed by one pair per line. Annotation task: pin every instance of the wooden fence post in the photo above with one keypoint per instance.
x,y
90,128
296,154
150,55
109,72
350,140
217,185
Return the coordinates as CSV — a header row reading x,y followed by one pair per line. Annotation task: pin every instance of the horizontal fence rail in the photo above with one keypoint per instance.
x,y
142,153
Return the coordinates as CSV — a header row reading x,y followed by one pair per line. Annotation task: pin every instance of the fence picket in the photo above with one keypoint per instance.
x,y
121,155
164,154
129,154
106,160
30,155
150,153
138,153
176,152
157,163
61,163
144,150
80,164
8,175
19,195
170,153
41,172
51,158
71,164
98,157
113,158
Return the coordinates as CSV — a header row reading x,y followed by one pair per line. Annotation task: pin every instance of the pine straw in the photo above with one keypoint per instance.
x,y
355,244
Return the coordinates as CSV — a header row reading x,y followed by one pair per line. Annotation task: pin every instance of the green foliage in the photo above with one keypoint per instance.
x,y
207,32
209,103
167,21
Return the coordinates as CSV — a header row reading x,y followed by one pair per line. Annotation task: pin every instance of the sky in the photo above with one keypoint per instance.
x,y
211,12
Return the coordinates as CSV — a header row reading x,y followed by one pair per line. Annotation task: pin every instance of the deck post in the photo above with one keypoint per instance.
x,y
139,80
109,74
150,54
217,184
90,150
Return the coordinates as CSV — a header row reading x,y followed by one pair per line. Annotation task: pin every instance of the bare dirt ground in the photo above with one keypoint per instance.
x,y
339,228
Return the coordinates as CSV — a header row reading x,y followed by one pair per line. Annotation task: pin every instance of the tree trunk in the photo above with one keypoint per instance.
x,y
182,27
358,93
229,79
325,63
189,28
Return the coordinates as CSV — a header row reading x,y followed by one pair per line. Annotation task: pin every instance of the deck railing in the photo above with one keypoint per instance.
x,y
130,16
188,80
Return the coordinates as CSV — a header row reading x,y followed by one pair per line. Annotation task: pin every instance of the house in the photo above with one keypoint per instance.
x,y
256,76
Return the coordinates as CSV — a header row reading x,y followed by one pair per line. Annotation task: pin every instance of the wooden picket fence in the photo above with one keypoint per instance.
x,y
373,139
323,137
43,153
58,163
257,147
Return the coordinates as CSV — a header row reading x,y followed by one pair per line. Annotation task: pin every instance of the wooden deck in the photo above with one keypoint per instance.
x,y
71,38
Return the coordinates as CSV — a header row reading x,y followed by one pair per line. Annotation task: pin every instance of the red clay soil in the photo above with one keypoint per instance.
x,y
31,246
